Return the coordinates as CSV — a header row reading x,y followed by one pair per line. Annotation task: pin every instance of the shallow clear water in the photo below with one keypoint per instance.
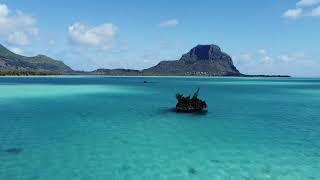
x,y
98,128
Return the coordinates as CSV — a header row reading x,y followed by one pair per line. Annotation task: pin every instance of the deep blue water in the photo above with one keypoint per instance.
x,y
92,128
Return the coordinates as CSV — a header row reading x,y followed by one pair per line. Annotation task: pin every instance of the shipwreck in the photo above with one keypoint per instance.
x,y
188,104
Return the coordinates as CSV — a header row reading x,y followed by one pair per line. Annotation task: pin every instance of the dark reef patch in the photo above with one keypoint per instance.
x,y
215,161
13,151
192,171
123,141
125,168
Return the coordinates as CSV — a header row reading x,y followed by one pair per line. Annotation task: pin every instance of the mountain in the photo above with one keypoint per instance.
x,y
10,61
204,60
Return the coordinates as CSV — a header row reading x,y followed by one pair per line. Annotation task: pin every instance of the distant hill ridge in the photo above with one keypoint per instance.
x,y
10,61
202,60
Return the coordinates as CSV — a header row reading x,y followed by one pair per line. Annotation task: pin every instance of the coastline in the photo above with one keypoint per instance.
x,y
146,76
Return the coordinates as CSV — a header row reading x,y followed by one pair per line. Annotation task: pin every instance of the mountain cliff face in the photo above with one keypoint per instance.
x,y
206,60
10,61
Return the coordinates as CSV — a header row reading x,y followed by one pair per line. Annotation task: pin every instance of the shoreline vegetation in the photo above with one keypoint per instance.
x,y
28,73
83,73
47,73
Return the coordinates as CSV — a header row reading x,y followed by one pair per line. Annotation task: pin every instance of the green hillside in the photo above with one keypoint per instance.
x,y
10,61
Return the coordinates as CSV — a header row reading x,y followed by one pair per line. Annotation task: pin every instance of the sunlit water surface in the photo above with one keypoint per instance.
x,y
105,128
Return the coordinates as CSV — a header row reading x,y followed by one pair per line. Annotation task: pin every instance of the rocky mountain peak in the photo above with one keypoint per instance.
x,y
202,60
206,52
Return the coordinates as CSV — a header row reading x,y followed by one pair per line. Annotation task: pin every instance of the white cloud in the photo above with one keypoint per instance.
x,y
293,13
246,56
16,28
315,11
307,2
169,23
263,51
284,58
16,50
305,8
101,36
4,11
298,63
52,42
266,58
19,38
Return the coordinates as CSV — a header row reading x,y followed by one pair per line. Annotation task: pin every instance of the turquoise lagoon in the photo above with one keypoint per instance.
x,y
110,128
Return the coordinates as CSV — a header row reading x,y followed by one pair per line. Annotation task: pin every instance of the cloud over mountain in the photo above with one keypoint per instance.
x,y
16,28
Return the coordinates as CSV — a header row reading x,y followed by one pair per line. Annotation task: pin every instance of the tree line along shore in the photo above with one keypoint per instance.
x,y
28,73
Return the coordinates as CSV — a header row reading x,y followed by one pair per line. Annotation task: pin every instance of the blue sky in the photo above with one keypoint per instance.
x,y
263,37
